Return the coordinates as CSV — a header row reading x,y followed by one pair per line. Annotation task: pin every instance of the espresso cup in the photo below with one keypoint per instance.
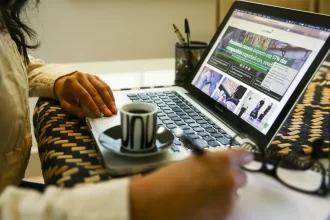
x,y
138,124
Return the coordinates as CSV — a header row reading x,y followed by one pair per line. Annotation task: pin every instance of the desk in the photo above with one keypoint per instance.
x,y
69,157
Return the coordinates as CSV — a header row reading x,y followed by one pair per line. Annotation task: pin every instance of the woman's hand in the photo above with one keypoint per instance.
x,y
87,90
198,188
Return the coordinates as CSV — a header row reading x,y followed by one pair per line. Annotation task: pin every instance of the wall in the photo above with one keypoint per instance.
x,y
102,30
324,6
225,5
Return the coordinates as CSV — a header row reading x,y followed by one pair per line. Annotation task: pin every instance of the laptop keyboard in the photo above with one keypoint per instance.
x,y
175,111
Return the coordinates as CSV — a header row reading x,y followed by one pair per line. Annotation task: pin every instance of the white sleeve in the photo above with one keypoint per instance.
x,y
106,200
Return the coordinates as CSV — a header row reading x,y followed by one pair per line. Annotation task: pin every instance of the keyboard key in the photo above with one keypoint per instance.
x,y
201,143
163,97
203,134
159,93
185,108
138,100
171,126
189,121
184,116
227,136
171,95
176,109
216,127
143,96
159,101
163,118
197,111
168,111
189,110
206,126
162,105
165,108
171,104
198,129
193,136
223,141
159,121
177,101
180,123
201,122
192,114
131,95
134,98
208,138
222,131
214,144
161,114
175,149
189,132
172,115
168,92
197,118
177,118
148,101
205,118
167,100
151,94
211,130
194,125
168,122
211,122
185,127
216,135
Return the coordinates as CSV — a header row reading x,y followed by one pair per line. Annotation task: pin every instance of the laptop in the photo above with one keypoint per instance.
x,y
255,69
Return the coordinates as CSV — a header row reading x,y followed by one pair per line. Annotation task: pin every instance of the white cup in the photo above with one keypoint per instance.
x,y
138,124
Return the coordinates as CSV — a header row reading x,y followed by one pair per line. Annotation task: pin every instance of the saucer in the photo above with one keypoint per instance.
x,y
111,139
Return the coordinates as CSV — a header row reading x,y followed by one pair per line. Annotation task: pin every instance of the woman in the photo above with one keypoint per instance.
x,y
210,181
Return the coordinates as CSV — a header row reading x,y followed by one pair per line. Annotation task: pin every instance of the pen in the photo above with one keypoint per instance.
x,y
187,30
197,146
179,35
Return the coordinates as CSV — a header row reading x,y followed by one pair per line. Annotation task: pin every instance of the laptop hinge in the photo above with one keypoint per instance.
x,y
239,133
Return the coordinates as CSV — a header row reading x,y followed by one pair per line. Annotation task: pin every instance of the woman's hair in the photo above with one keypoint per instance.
x,y
11,22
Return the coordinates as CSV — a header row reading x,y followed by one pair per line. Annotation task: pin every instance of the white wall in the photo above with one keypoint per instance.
x,y
101,30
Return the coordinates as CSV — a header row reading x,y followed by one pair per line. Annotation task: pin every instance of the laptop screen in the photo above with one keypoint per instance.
x,y
256,64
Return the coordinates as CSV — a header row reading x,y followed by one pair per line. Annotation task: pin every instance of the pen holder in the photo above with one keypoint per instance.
x,y
186,59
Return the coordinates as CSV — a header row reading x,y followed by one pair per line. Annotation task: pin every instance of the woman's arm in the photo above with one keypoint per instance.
x,y
42,77
107,200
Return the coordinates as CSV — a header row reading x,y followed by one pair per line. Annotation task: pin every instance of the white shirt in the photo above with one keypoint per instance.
x,y
107,200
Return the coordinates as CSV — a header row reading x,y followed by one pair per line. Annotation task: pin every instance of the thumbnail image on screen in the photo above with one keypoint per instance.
x,y
256,110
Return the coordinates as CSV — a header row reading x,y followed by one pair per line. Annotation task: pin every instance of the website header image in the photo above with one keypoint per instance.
x,y
263,63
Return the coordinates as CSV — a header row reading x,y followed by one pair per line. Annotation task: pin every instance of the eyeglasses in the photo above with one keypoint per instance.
x,y
306,175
